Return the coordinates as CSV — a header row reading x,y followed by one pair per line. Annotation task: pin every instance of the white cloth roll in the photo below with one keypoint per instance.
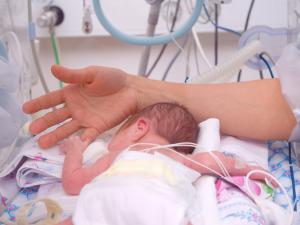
x,y
205,209
209,136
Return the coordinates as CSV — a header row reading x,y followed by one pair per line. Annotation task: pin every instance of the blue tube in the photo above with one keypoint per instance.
x,y
267,64
156,40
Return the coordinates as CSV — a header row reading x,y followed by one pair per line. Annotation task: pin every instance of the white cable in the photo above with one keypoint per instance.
x,y
34,50
253,196
168,147
188,5
222,167
200,48
169,28
220,164
174,40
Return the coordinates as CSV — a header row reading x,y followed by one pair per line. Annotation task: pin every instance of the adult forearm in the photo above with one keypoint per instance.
x,y
253,109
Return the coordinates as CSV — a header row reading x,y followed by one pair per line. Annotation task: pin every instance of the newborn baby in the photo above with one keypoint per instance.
x,y
132,186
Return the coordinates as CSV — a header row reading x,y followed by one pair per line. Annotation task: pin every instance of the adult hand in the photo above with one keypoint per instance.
x,y
96,100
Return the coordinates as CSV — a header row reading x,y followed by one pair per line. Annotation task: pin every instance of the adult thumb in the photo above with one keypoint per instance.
x,y
74,76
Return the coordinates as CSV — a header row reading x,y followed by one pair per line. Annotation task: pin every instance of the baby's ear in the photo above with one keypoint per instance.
x,y
141,128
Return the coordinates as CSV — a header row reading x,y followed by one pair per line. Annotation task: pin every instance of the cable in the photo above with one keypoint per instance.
x,y
249,15
246,28
174,58
157,60
219,27
220,164
267,64
169,146
257,200
196,59
31,27
138,40
270,58
187,66
200,48
216,45
292,175
261,74
168,27
188,5
165,45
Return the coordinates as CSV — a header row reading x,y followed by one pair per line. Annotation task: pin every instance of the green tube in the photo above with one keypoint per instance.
x,y
55,52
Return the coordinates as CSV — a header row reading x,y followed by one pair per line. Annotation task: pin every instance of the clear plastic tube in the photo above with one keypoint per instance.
x,y
137,40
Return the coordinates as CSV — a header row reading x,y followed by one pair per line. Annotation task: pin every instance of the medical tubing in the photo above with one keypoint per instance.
x,y
174,59
219,27
188,5
216,35
223,72
220,164
196,59
165,45
188,144
188,59
246,28
32,36
152,22
157,60
200,48
169,146
261,74
267,64
249,15
138,40
292,175
270,58
55,48
253,196
226,178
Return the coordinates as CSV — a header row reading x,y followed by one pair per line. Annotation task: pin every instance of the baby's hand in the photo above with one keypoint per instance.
x,y
73,143
262,176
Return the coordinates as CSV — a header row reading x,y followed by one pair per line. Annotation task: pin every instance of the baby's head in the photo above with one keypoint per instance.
x,y
161,123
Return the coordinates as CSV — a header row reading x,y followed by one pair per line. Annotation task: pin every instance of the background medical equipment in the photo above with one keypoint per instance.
x,y
262,33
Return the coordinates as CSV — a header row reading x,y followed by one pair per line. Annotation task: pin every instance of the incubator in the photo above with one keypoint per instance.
x,y
273,47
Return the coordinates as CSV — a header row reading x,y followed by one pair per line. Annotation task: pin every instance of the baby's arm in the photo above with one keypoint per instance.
x,y
74,176
232,165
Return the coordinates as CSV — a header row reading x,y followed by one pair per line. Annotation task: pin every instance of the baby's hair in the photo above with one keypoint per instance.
x,y
172,122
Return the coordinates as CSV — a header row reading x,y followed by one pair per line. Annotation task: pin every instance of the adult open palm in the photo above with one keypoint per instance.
x,y
97,99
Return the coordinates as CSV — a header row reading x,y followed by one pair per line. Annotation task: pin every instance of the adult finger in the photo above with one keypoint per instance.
x,y
74,76
50,119
50,139
44,102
